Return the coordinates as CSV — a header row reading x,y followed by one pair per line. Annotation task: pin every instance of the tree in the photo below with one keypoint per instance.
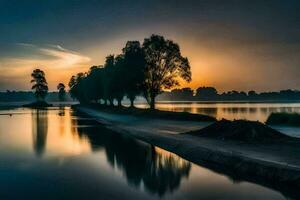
x,y
77,87
164,65
40,84
95,84
117,80
182,94
134,67
108,81
206,93
61,91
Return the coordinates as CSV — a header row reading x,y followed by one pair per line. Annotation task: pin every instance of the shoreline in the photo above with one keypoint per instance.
x,y
241,160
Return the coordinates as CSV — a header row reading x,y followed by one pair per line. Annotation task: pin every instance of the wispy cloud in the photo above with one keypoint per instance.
x,y
64,58
58,62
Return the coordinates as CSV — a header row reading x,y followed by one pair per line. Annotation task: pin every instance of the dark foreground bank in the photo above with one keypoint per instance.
x,y
275,164
287,119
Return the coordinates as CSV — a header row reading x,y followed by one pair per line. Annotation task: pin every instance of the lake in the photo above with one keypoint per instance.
x,y
58,154
229,110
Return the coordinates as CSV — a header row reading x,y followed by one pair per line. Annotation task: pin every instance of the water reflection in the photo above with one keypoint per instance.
x,y
53,133
39,130
54,154
208,111
147,167
142,164
250,111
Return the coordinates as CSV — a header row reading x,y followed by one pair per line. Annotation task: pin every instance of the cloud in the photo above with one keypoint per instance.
x,y
57,61
64,58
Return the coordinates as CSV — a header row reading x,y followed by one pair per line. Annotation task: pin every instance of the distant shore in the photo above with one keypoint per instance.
x,y
272,165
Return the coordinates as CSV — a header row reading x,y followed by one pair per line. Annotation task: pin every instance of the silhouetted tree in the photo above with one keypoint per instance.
x,y
61,91
252,93
182,94
118,86
77,87
95,83
40,84
134,68
206,93
164,65
108,81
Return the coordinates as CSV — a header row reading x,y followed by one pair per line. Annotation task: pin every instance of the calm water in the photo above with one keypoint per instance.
x,y
54,154
250,111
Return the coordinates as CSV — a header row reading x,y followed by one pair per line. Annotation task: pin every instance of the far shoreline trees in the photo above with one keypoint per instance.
x,y
211,94
139,70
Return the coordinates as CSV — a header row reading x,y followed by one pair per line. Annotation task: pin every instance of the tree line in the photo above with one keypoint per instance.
x,y
211,94
141,69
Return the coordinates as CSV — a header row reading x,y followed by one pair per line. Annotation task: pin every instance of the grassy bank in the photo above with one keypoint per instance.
x,y
288,119
139,112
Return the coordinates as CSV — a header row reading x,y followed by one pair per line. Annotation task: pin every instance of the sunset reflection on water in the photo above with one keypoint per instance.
x,y
58,154
48,132
230,111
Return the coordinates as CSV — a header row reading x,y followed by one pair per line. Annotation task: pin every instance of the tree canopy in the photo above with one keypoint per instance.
x,y
40,85
164,64
145,70
134,66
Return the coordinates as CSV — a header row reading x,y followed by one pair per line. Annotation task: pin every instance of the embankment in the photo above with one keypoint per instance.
x,y
272,164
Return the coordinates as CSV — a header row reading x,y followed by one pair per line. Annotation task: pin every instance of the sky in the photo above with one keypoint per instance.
x,y
231,44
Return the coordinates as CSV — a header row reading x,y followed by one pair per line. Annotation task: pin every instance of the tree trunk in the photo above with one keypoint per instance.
x,y
111,102
132,101
119,102
152,102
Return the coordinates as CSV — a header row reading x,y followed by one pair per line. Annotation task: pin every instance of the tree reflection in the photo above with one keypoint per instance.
x,y
211,111
142,164
39,130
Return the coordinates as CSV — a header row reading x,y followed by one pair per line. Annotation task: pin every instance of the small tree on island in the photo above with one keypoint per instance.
x,y
164,65
61,91
40,85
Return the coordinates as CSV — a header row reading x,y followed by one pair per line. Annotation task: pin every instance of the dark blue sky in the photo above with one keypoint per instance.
x,y
257,40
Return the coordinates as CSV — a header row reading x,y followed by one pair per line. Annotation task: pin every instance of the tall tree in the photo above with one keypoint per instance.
x,y
77,87
165,65
113,79
40,85
117,79
134,68
61,91
94,83
108,80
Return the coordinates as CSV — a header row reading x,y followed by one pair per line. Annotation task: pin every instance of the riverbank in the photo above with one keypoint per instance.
x,y
276,165
149,113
